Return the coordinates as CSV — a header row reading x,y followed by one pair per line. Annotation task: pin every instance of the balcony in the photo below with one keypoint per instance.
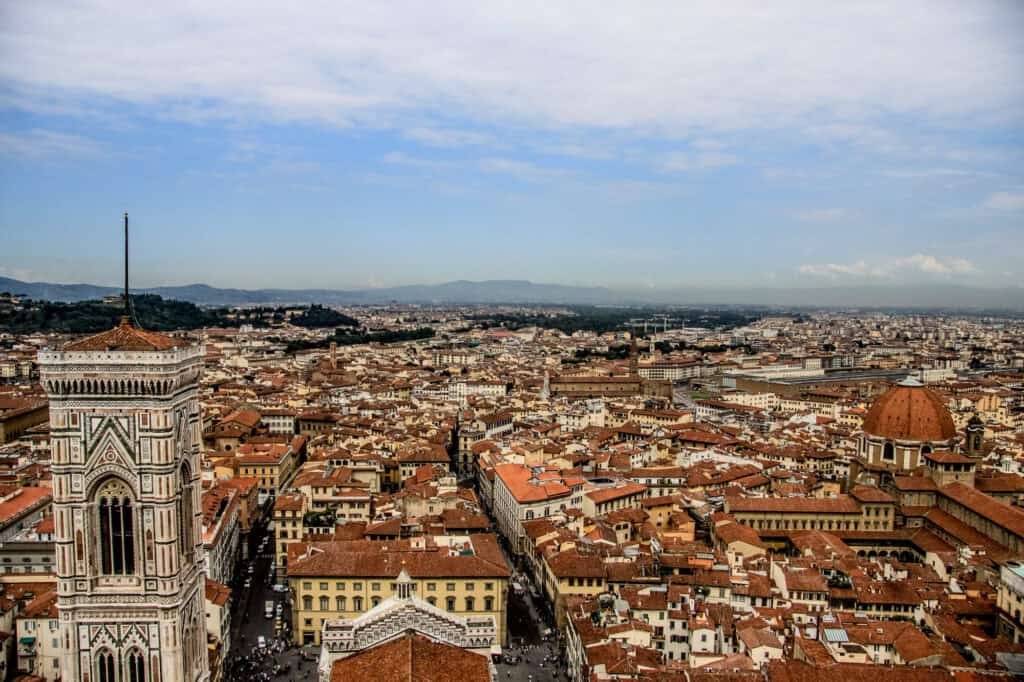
x,y
26,647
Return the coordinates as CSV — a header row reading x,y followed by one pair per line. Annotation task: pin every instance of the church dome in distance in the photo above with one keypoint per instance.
x,y
909,412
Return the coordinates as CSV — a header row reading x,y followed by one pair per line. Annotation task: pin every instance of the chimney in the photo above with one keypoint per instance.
x,y
334,355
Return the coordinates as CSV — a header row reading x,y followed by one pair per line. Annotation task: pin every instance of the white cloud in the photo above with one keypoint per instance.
x,y
684,161
403,159
659,66
523,170
823,215
934,173
917,263
1004,201
439,137
39,143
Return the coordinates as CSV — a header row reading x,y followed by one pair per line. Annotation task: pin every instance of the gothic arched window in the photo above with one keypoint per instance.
x,y
117,528
105,667
185,514
136,667
186,652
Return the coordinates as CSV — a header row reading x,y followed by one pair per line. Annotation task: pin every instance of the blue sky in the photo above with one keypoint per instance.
x,y
654,146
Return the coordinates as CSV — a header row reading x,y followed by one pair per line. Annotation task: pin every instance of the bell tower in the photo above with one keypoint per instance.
x,y
124,425
975,433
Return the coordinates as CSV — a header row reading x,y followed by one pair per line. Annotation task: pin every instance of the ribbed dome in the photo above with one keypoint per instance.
x,y
909,411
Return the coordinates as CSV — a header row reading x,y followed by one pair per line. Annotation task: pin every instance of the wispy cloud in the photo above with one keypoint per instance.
x,y
823,215
38,143
617,68
446,137
697,160
917,263
1004,201
935,173
523,170
403,159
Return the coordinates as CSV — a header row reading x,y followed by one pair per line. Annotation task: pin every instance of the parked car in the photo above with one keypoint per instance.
x,y
261,642
280,588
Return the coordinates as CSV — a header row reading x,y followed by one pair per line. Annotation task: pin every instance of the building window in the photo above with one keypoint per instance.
x,y
489,587
375,602
357,586
186,538
307,603
488,603
339,602
469,587
375,587
431,587
339,586
449,603
325,603
888,454
117,529
432,601
357,604
136,667
469,603
450,587
105,663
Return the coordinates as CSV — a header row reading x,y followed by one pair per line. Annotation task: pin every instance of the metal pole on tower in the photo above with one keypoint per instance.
x,y
127,307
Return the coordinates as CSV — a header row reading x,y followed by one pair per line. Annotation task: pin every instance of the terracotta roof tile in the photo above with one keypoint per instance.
x,y
127,337
909,412
412,658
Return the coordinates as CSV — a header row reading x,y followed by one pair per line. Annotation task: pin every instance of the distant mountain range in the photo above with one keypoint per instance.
x,y
943,297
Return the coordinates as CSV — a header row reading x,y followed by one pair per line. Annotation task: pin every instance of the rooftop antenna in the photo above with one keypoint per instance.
x,y
126,318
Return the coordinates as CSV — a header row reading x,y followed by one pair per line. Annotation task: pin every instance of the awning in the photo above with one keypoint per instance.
x,y
27,641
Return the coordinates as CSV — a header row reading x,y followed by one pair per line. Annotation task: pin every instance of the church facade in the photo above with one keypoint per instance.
x,y
124,420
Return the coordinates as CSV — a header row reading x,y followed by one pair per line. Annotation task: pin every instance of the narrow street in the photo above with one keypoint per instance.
x,y
528,619
533,652
249,623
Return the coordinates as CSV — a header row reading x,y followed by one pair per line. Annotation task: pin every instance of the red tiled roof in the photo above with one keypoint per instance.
x,y
615,493
386,558
125,336
1000,513
20,503
524,487
947,457
841,504
217,593
412,658
913,413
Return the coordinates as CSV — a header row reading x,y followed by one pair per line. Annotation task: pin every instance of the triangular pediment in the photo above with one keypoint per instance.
x,y
110,443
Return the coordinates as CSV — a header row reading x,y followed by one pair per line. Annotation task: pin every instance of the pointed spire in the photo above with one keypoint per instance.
x,y
126,319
